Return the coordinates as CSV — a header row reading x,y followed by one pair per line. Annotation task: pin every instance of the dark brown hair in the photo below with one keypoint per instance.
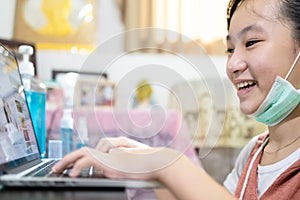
x,y
289,10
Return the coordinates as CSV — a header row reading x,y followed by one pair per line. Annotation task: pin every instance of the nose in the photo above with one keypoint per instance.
x,y
235,65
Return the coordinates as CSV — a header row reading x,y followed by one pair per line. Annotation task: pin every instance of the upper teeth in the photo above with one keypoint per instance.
x,y
244,84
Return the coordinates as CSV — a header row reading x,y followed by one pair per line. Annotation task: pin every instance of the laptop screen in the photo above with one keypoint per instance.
x,y
18,144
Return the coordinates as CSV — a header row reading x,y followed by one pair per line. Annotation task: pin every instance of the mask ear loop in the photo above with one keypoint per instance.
x,y
292,67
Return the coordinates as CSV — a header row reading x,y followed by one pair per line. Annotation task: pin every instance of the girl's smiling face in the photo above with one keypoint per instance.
x,y
260,47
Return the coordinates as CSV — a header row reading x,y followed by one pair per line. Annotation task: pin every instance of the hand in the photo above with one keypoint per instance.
x,y
107,144
103,163
134,163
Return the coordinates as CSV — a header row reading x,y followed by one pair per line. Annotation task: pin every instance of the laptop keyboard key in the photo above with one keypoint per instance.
x,y
42,170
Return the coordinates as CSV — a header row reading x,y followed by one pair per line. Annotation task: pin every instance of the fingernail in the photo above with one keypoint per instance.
x,y
71,172
54,170
56,167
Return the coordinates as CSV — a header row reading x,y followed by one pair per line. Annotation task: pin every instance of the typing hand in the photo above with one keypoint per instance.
x,y
132,163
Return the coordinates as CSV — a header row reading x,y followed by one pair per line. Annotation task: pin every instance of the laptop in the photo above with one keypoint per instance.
x,y
20,162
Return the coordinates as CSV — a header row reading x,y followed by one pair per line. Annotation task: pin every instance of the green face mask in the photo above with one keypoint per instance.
x,y
281,100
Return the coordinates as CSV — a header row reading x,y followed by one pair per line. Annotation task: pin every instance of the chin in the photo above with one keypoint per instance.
x,y
246,110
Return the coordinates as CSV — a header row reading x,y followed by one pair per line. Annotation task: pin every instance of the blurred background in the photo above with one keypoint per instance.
x,y
65,33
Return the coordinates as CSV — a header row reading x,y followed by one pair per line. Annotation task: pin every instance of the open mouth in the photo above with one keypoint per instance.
x,y
245,85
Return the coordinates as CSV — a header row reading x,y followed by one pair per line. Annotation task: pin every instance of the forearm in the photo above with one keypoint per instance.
x,y
164,193
187,181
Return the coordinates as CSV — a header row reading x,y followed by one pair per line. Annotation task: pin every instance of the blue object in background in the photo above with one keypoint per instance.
x,y
67,131
37,107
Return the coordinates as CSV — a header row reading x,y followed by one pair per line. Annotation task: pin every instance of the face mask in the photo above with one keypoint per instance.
x,y
281,100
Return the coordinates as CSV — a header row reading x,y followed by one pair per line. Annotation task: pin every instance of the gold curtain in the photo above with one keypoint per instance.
x,y
140,14
164,15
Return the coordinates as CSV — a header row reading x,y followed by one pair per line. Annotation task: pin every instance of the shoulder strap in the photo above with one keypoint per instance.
x,y
251,185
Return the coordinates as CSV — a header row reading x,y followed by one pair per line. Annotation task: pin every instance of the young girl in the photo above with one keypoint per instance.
x,y
263,51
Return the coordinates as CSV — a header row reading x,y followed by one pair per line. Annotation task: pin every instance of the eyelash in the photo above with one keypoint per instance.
x,y
248,44
251,43
230,51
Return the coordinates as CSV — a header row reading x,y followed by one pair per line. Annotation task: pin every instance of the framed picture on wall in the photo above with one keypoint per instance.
x,y
94,92
86,89
56,24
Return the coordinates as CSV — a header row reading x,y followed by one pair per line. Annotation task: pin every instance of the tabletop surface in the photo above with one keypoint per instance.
x,y
61,193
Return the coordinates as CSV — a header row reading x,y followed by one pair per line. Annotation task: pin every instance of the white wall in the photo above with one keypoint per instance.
x,y
109,24
7,17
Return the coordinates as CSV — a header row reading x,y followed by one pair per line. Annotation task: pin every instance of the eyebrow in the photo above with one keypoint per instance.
x,y
247,29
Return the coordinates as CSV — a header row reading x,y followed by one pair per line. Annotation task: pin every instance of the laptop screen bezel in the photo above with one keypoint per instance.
x,y
8,166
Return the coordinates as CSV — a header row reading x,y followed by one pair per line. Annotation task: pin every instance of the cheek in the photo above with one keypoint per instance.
x,y
264,87
229,75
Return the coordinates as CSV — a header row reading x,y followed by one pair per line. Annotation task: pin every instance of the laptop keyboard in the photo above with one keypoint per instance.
x,y
45,170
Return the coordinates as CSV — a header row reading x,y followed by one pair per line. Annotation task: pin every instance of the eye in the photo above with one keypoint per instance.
x,y
251,43
230,51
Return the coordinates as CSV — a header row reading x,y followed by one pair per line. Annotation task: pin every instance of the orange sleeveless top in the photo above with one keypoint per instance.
x,y
285,187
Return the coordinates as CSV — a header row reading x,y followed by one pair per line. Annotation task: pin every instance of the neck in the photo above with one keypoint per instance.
x,y
289,128
283,140
285,133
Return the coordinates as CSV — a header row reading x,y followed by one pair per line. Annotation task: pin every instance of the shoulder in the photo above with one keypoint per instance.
x,y
232,179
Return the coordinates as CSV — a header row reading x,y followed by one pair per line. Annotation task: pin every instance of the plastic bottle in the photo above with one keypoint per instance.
x,y
35,92
66,131
82,131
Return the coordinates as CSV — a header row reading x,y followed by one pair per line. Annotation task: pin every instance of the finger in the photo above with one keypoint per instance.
x,y
68,160
104,145
79,165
